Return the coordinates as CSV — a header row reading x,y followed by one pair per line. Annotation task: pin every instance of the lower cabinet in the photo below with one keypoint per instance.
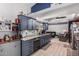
x,y
17,48
44,40
10,49
23,48
27,47
1,50
41,41
47,39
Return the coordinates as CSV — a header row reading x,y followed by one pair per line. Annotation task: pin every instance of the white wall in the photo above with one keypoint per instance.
x,y
73,9
58,28
11,10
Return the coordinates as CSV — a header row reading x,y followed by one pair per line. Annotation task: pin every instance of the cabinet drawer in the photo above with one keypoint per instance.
x,y
27,44
25,47
26,52
24,42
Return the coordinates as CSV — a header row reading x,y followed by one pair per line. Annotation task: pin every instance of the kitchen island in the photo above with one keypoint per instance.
x,y
30,44
24,46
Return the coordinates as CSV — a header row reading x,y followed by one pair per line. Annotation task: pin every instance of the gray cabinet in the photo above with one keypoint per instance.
x,y
47,38
26,23
23,22
10,49
1,50
41,41
34,24
44,40
27,47
30,24
17,48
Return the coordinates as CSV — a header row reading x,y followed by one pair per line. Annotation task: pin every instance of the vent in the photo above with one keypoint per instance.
x,y
49,19
60,17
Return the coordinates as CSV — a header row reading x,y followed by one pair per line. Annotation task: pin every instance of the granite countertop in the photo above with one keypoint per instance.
x,y
32,37
26,38
9,41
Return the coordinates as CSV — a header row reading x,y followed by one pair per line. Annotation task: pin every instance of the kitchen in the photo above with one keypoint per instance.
x,y
39,29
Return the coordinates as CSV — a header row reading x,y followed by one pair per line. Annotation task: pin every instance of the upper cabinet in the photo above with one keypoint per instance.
x,y
27,23
30,24
23,22
34,24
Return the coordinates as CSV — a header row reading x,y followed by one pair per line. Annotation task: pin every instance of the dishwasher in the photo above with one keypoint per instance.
x,y
36,44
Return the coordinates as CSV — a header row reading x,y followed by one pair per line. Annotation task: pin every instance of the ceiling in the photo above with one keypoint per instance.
x,y
44,14
30,4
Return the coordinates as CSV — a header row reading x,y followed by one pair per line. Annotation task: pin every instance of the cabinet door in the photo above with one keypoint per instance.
x,y
31,46
24,22
30,24
6,50
47,38
42,41
10,49
19,26
34,24
25,48
16,48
